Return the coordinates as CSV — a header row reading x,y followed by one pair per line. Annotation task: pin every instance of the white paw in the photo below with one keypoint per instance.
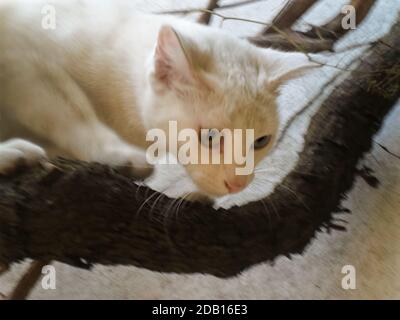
x,y
16,153
128,160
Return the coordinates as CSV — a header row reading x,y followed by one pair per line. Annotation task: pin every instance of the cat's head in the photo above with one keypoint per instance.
x,y
210,80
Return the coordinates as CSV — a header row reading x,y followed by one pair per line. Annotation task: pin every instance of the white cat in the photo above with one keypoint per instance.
x,y
90,88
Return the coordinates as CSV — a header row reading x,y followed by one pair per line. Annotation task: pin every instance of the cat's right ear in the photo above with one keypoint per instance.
x,y
171,65
286,66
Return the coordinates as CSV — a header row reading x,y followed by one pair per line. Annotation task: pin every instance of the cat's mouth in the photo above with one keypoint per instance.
x,y
217,185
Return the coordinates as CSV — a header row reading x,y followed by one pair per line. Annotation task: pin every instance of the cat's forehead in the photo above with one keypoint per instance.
x,y
239,95
245,87
238,113
250,108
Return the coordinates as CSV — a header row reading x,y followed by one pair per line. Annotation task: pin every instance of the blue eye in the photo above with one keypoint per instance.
x,y
212,134
262,142
210,137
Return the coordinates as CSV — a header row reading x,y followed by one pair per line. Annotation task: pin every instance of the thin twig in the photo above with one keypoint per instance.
x,y
387,150
224,17
220,7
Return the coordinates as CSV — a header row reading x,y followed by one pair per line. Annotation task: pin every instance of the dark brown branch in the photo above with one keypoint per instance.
x,y
334,29
83,214
205,17
279,35
28,281
291,12
292,41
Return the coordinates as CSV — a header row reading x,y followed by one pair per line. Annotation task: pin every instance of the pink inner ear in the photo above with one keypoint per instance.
x,y
171,64
162,67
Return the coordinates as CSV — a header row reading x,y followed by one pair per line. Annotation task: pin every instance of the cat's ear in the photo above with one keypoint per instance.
x,y
171,65
286,66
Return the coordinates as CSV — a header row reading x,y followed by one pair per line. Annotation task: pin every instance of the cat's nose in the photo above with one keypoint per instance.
x,y
235,186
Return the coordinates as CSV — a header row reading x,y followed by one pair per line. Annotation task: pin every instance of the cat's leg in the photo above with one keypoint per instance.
x,y
92,141
15,153
57,109
95,142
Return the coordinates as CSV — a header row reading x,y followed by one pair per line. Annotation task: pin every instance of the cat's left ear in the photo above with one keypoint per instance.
x,y
286,66
171,64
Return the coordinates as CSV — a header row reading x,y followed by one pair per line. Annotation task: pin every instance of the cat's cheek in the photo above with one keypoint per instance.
x,y
208,178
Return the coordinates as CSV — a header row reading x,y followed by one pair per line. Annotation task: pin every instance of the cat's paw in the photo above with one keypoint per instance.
x,y
129,161
17,153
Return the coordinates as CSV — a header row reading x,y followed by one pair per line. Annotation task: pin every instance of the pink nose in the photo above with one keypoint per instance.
x,y
234,187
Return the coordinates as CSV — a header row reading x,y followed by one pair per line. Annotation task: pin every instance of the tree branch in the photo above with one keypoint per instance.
x,y
291,12
292,41
82,214
334,29
205,17
28,281
278,35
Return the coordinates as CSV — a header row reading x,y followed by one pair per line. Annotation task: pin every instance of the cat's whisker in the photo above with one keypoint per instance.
x,y
267,212
295,195
139,185
286,188
145,201
180,202
264,170
175,204
277,169
167,212
266,180
165,221
160,196
275,209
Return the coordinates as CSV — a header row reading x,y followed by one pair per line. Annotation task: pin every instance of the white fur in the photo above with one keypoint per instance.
x,y
17,151
91,88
